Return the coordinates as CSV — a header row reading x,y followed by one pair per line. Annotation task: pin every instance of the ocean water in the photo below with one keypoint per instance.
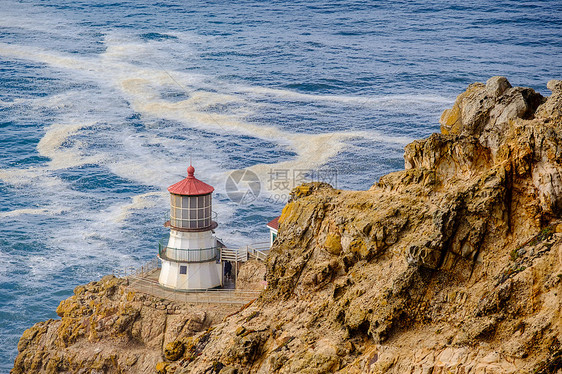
x,y
104,103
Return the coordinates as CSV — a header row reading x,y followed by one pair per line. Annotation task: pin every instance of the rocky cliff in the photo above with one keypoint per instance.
x,y
453,265
107,327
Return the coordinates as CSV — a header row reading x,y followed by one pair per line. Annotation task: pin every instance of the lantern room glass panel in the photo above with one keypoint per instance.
x,y
191,212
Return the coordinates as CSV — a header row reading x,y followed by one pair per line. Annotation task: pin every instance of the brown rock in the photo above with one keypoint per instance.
x,y
496,86
451,265
174,350
108,328
333,243
161,367
555,86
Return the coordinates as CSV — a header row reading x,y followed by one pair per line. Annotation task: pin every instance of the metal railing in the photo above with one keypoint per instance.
x,y
211,296
186,255
259,251
229,254
259,255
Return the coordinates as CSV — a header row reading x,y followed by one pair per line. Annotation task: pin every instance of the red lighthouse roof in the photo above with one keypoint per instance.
x,y
190,186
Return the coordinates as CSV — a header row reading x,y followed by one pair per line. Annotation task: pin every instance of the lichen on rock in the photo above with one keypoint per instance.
x,y
108,327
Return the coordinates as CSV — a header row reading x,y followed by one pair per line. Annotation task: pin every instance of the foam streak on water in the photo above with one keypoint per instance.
x,y
102,105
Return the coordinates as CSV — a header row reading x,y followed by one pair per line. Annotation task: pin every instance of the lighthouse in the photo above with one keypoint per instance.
x,y
190,257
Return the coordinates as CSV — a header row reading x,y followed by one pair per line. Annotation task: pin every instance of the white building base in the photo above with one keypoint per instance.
x,y
198,276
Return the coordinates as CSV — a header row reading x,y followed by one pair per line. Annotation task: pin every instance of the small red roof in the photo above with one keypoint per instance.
x,y
190,186
274,223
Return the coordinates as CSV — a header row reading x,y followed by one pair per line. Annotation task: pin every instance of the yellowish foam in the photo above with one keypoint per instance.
x,y
37,211
142,87
51,146
139,202
346,99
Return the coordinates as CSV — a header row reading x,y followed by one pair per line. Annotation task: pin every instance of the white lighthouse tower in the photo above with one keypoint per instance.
x,y
190,257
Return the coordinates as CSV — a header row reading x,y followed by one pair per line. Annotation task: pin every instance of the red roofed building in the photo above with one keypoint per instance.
x,y
273,230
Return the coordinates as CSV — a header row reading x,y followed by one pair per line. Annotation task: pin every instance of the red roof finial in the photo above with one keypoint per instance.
x,y
190,186
190,171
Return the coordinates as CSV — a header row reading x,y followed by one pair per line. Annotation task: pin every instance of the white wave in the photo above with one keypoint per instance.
x,y
61,156
142,88
13,102
139,202
62,152
37,176
18,176
347,99
60,102
161,167
41,266
379,137
16,15
34,211
56,59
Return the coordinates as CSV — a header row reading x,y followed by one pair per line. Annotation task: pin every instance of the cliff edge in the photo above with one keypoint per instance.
x,y
453,265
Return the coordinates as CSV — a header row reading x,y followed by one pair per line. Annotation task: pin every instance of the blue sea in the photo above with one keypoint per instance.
x,y
104,103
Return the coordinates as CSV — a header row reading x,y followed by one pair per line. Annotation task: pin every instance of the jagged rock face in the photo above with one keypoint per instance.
x,y
108,328
453,265
487,111
251,275
519,127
